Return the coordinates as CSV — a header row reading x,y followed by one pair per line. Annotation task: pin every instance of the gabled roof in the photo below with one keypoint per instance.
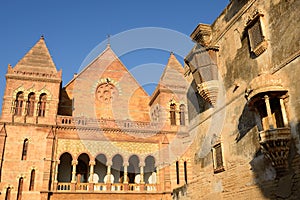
x,y
172,68
37,59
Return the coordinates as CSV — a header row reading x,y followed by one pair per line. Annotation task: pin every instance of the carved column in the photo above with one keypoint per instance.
x,y
108,175
269,112
91,181
125,180
142,164
284,115
73,181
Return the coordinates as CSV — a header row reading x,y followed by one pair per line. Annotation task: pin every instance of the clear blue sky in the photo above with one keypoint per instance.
x,y
73,28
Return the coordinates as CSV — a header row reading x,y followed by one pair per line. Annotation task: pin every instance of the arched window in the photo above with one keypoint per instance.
x,y
32,177
173,114
42,105
182,114
25,149
7,195
30,104
177,172
20,188
19,103
185,171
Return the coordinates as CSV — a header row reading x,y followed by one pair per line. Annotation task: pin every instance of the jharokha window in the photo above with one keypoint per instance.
x,y
25,149
271,109
30,104
218,158
19,103
173,114
256,36
42,105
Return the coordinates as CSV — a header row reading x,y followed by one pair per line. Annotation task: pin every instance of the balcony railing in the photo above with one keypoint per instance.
x,y
105,187
106,123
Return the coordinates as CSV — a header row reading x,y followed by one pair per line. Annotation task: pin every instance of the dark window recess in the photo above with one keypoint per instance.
x,y
32,177
255,34
218,158
173,114
177,172
182,114
185,171
7,195
20,189
25,149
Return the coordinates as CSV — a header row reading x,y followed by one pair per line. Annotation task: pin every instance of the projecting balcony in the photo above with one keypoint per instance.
x,y
275,145
105,187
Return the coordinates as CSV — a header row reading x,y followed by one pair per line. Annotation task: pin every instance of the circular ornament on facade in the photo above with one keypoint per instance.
x,y
106,92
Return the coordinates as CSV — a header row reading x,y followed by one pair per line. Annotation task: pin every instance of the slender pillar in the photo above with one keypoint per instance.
x,y
269,112
157,175
108,173
284,115
74,163
125,181
142,173
56,171
55,185
92,164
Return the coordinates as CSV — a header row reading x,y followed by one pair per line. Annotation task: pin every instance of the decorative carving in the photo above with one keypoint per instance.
x,y
275,144
202,34
209,91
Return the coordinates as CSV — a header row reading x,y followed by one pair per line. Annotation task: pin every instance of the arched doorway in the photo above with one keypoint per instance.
x,y
82,168
100,168
150,170
65,168
133,169
117,169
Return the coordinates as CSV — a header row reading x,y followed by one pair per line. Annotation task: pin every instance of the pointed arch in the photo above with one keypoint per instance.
x,y
32,179
173,113
42,105
19,103
30,104
20,188
8,193
25,149
182,114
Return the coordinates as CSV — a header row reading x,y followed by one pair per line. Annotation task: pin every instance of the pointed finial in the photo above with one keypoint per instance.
x,y
108,40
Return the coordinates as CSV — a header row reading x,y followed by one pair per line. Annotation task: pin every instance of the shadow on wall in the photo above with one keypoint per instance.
x,y
247,122
274,184
196,104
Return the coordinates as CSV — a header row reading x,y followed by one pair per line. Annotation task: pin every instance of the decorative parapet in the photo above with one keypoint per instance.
x,y
275,144
84,122
202,34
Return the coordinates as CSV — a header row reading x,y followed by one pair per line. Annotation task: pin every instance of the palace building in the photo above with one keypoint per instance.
x,y
226,125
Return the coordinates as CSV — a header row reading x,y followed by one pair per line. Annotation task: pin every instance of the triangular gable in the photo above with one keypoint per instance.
x,y
37,59
108,69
